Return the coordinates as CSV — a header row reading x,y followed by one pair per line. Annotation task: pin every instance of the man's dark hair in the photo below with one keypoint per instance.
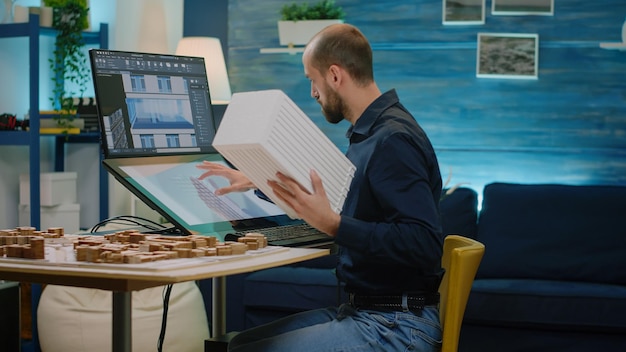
x,y
344,45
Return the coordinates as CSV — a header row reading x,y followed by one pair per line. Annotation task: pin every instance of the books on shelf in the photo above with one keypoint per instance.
x,y
48,124
59,130
263,132
86,119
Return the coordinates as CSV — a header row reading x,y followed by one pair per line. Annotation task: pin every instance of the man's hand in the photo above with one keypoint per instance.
x,y
314,208
238,181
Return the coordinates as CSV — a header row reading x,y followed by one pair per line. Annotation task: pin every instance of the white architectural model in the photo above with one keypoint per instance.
x,y
264,132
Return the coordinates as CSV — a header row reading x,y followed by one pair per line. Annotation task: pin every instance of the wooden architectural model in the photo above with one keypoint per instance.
x,y
130,246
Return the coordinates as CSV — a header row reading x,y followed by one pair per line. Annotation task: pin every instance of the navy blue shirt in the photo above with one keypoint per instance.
x,y
390,238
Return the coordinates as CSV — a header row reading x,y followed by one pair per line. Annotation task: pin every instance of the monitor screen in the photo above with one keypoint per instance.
x,y
174,186
152,104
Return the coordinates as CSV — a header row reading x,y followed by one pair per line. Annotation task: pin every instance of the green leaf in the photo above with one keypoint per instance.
x,y
325,9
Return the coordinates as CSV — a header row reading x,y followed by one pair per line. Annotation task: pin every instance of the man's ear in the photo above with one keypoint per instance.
x,y
335,74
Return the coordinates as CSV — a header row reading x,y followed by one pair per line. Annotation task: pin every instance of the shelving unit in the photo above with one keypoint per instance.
x,y
31,138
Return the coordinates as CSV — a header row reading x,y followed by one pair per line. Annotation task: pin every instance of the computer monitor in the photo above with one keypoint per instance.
x,y
152,104
157,126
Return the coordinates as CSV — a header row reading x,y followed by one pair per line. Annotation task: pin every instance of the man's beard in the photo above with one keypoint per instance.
x,y
334,108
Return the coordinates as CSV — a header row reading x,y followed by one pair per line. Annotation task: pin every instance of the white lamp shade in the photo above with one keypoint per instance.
x,y
211,50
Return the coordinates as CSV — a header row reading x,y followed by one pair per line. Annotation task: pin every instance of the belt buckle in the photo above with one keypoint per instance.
x,y
405,302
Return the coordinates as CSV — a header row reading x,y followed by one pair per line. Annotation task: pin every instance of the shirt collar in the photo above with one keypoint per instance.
x,y
364,124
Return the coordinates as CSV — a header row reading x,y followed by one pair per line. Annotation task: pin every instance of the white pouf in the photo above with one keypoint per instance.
x,y
79,319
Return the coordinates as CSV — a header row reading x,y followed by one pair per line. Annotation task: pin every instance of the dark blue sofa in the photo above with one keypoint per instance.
x,y
553,277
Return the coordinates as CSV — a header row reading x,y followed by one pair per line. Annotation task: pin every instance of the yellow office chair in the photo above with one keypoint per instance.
x,y
461,257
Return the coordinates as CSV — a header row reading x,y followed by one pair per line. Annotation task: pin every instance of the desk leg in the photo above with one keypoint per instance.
x,y
219,307
122,321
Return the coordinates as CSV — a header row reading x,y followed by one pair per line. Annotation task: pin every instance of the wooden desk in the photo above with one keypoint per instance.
x,y
122,281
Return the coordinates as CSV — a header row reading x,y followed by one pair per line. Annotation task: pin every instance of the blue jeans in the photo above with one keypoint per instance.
x,y
345,329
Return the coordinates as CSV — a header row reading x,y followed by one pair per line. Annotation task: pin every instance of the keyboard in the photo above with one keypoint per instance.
x,y
300,235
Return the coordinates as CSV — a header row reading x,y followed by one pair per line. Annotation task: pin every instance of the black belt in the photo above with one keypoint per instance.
x,y
404,302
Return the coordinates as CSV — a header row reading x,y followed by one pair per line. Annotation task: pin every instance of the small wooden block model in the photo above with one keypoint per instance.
x,y
129,246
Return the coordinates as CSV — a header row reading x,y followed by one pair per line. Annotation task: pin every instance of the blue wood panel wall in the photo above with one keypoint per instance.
x,y
569,126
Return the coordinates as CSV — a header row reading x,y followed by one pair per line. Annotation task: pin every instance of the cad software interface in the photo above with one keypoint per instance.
x,y
152,104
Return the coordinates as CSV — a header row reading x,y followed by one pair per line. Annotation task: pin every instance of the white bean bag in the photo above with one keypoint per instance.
x,y
79,319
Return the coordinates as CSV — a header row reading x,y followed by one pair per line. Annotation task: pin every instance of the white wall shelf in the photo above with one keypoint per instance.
x,y
292,50
613,46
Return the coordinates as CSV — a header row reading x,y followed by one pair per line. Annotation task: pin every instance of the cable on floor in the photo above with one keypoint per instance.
x,y
166,301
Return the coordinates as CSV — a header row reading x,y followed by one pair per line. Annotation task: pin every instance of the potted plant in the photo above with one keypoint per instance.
x,y
300,22
69,61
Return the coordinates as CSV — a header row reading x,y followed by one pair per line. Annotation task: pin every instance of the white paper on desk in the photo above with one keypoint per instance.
x,y
263,132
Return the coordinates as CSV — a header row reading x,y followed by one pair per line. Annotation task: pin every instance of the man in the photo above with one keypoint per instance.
x,y
388,234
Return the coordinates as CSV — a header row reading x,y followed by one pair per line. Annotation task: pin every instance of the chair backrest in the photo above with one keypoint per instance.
x,y
461,258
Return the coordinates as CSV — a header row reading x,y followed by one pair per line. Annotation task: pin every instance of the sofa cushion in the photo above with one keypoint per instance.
x,y
274,293
459,212
484,338
553,232
558,305
292,288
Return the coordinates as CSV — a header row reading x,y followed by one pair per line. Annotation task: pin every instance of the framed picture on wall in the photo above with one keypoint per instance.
x,y
507,55
463,12
522,7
